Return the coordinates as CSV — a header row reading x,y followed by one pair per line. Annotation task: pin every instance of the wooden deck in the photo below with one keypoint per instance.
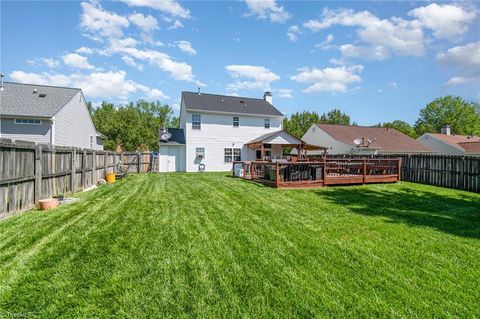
x,y
320,173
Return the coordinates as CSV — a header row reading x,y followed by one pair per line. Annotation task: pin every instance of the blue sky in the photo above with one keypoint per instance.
x,y
377,61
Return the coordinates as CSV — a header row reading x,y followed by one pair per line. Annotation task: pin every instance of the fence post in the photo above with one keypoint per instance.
x,y
84,169
73,185
462,173
38,173
12,174
94,167
105,163
138,162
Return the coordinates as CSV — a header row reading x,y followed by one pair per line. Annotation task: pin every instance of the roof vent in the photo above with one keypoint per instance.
x,y
42,95
35,91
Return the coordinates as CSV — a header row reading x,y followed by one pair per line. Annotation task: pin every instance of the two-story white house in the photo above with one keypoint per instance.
x,y
215,130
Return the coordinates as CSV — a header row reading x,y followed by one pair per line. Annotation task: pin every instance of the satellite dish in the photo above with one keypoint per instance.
x,y
165,136
357,141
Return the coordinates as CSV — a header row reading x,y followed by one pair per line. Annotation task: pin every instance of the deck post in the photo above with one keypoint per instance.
x,y
324,171
399,169
252,170
262,153
277,175
364,170
244,170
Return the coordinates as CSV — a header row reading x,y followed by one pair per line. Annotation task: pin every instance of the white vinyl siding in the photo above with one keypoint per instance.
x,y
74,126
33,133
218,133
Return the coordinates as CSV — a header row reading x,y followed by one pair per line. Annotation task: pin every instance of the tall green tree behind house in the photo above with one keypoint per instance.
x,y
133,126
299,122
335,116
462,116
401,126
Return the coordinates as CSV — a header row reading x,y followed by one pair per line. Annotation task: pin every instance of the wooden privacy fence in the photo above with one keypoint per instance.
x,y
32,172
460,172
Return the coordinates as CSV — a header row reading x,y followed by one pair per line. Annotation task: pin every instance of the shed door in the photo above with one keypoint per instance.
x,y
173,156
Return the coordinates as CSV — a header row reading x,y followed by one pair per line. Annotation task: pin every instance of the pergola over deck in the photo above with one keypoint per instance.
x,y
282,139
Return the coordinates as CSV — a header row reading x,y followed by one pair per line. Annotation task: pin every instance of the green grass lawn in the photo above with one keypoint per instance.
x,y
209,245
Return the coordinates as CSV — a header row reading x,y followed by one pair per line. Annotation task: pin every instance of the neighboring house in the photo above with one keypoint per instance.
x,y
343,139
216,130
47,114
451,144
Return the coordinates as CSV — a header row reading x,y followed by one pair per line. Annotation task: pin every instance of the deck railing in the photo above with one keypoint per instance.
x,y
319,173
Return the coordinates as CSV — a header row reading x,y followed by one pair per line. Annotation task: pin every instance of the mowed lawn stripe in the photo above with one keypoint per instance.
x,y
177,245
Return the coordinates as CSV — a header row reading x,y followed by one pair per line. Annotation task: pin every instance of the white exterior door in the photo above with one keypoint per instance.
x,y
173,156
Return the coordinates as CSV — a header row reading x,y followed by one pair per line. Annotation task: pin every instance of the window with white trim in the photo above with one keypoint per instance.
x,y
232,154
236,121
196,121
200,153
28,121
267,123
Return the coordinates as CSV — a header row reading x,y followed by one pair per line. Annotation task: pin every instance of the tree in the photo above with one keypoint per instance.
x,y
133,126
299,123
462,116
401,126
335,116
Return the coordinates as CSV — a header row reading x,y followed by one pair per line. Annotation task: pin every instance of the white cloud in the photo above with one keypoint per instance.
x,y
336,79
78,61
145,23
106,85
325,44
85,50
446,21
284,93
49,62
267,9
465,60
171,7
186,46
99,23
176,25
382,37
131,62
293,32
254,77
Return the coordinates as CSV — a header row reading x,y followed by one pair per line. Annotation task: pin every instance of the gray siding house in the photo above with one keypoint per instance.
x,y
47,114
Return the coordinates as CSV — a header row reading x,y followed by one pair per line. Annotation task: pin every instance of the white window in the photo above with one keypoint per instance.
x,y
237,154
236,121
267,123
200,153
232,154
28,121
228,155
196,121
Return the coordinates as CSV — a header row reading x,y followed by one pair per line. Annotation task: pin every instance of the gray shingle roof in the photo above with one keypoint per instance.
x,y
229,104
178,136
19,100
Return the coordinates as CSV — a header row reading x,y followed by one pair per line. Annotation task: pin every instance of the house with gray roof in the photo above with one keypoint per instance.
x,y
47,114
215,130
